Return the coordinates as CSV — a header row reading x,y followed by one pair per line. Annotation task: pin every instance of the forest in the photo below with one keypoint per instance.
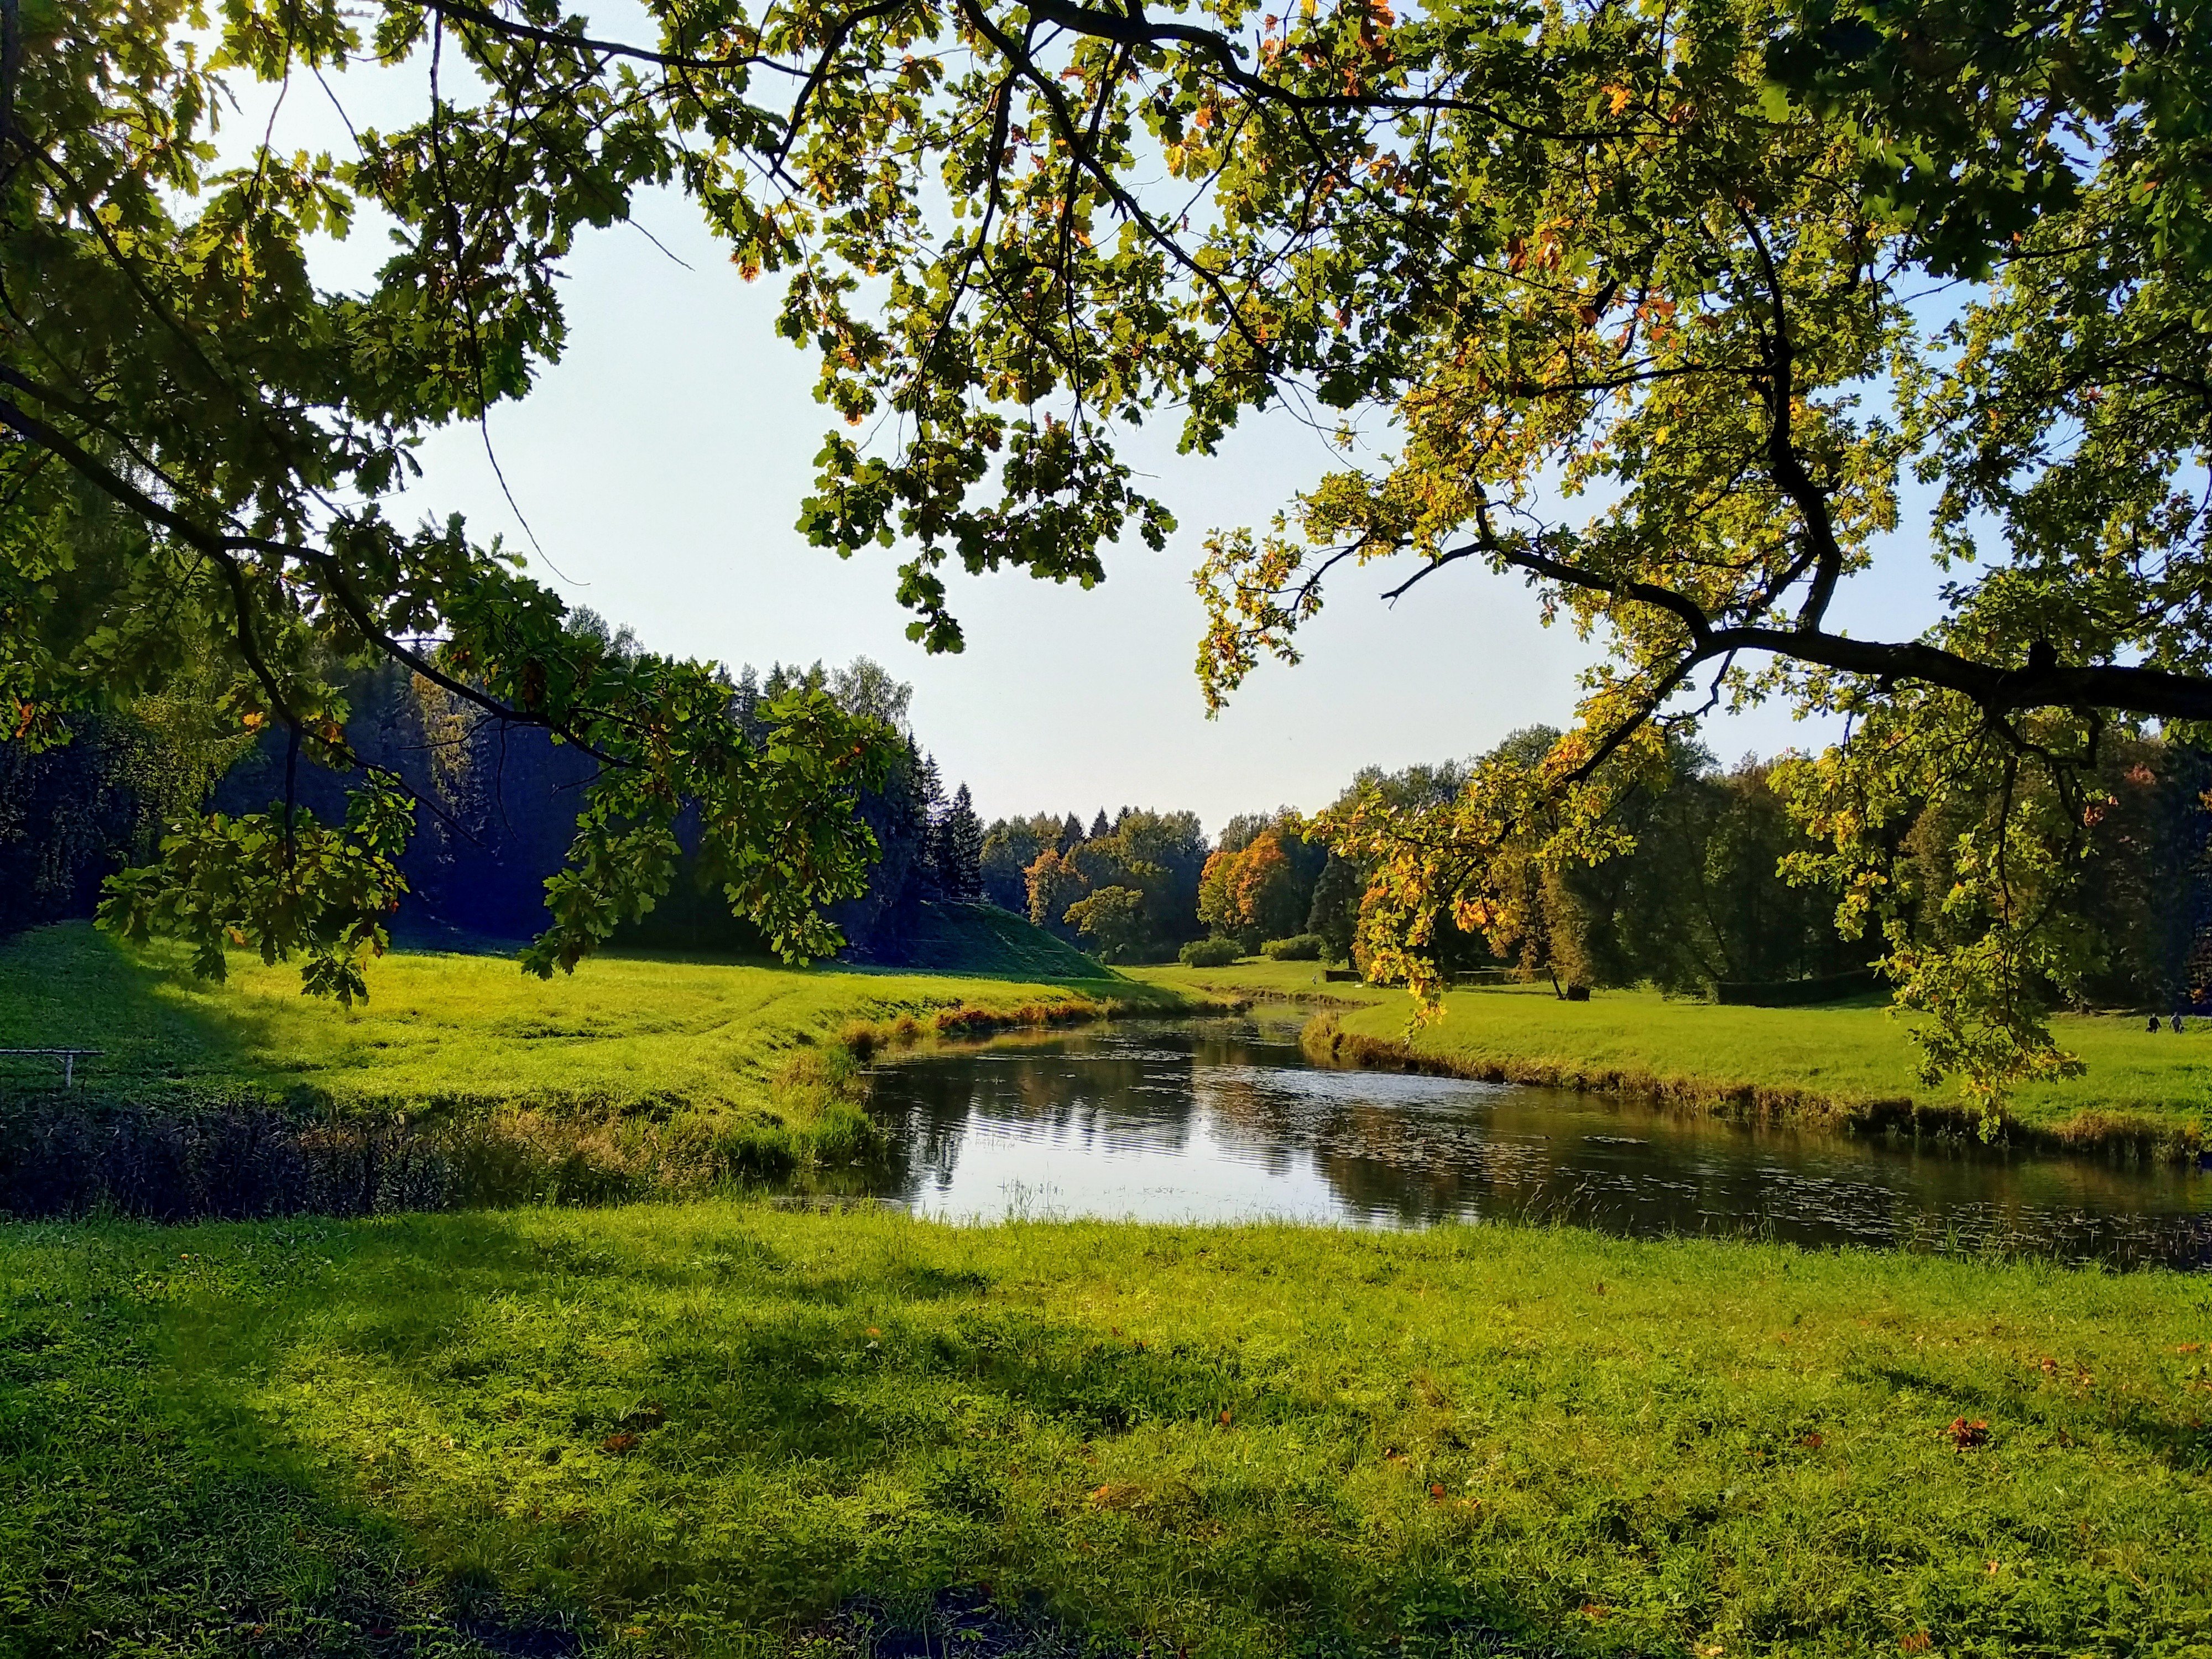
x,y
1717,885
513,1142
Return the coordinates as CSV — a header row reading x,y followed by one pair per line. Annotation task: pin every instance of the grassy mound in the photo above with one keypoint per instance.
x,y
962,937
637,1033
702,1429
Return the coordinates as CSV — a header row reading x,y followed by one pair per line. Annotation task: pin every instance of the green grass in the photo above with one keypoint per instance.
x,y
982,939
2137,1088
1256,976
622,1032
698,1429
638,1076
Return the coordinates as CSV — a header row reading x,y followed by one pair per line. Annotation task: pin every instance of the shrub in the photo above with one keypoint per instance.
x,y
1210,953
1299,947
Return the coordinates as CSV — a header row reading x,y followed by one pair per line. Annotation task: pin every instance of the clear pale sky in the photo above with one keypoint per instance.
x,y
661,465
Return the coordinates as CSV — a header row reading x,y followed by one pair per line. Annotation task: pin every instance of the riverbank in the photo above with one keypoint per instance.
x,y
636,1074
1849,1066
701,1428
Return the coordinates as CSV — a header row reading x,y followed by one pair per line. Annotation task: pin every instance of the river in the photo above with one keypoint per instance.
x,y
1225,1120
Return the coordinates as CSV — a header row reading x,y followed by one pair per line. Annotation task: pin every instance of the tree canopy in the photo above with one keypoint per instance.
x,y
1672,258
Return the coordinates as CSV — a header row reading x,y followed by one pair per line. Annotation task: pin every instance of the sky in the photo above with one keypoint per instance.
x,y
660,465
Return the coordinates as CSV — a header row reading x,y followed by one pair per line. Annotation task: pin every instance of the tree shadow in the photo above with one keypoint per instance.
x,y
156,1518
2180,1442
716,1440
71,986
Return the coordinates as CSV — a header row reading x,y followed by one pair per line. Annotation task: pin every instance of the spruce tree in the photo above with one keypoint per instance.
x,y
960,848
745,702
929,794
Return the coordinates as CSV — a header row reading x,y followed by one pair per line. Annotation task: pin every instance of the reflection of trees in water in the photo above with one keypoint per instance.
x,y
1084,1099
1413,1150
1820,1189
1381,1160
1416,1160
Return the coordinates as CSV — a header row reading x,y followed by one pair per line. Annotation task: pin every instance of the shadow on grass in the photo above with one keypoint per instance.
x,y
422,1434
176,1115
155,1515
2183,1443
186,1115
71,986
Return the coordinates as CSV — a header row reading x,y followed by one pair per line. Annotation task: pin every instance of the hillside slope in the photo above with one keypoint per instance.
x,y
958,937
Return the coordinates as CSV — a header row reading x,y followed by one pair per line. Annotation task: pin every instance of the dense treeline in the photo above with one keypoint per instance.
x,y
1721,883
72,815
1126,889
497,807
929,845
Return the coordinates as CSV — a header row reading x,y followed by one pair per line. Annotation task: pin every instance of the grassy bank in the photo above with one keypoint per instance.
x,y
698,1430
1851,1065
636,1072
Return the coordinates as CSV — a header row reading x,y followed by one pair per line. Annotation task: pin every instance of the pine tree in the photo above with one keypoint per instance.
x,y
1334,914
1071,833
745,701
929,795
960,848
1099,828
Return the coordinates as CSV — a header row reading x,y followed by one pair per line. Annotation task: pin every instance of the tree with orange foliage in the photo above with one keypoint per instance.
x,y
1054,884
1254,892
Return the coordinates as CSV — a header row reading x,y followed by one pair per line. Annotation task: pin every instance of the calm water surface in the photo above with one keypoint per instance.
x,y
1225,1120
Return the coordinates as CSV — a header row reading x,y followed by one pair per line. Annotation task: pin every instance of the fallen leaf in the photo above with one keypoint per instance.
x,y
1965,1435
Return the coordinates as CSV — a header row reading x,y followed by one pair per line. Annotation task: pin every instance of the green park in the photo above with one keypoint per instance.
x,y
597,1060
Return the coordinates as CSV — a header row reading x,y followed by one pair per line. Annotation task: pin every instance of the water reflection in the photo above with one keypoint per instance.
x,y
1225,1120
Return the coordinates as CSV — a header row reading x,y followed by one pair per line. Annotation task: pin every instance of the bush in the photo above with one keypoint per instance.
x,y
1299,947
1209,953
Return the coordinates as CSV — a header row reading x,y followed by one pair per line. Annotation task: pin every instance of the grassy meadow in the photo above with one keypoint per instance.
x,y
721,1427
1835,1061
462,1081
439,1029
702,1429
759,1051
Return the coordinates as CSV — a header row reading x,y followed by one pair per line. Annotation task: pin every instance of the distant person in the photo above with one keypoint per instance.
x,y
2177,1020
2153,1022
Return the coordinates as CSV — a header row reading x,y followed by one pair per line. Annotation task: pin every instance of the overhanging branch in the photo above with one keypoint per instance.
x,y
2127,688
224,551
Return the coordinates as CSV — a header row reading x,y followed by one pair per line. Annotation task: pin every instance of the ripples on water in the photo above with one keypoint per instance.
x,y
1220,1121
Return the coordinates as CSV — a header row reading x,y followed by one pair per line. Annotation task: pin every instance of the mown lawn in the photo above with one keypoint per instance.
x,y
466,1029
1848,1054
701,1429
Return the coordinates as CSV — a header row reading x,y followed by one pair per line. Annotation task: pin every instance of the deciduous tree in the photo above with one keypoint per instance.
x,y
1054,884
1113,918
1662,258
